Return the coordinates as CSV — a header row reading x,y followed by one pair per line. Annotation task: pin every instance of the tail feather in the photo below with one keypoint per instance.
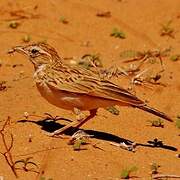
x,y
155,112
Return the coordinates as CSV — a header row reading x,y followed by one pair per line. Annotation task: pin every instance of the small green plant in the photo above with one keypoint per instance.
x,y
167,30
154,168
78,139
26,38
151,56
63,20
157,123
44,178
113,110
27,165
78,143
118,33
175,57
13,24
178,122
126,173
90,60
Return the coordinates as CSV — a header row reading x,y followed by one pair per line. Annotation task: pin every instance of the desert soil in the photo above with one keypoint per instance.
x,y
87,33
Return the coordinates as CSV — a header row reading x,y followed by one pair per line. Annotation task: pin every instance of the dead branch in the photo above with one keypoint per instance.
x,y
159,176
149,55
21,14
7,154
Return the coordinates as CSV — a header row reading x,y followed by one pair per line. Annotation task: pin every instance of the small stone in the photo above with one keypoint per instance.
x,y
26,115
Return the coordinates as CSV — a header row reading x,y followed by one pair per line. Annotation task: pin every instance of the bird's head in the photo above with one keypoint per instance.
x,y
39,53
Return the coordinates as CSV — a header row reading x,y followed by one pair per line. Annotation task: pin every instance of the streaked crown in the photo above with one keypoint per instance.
x,y
39,53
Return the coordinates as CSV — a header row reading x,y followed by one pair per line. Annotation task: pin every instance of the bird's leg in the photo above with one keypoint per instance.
x,y
80,120
92,114
79,114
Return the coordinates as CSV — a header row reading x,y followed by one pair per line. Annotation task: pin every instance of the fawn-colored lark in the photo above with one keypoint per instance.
x,y
70,87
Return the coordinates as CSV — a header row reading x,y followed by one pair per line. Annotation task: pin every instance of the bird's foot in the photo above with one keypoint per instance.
x,y
79,114
80,120
127,146
78,139
53,134
79,135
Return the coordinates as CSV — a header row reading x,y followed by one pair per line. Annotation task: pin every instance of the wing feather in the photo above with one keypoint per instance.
x,y
86,82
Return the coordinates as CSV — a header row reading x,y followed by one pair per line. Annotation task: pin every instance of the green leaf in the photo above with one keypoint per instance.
x,y
125,173
77,145
175,57
178,122
118,33
26,38
113,110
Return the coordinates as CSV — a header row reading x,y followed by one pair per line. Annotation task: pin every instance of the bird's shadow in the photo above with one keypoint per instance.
x,y
51,125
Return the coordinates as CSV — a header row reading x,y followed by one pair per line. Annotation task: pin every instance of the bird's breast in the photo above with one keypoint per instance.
x,y
70,100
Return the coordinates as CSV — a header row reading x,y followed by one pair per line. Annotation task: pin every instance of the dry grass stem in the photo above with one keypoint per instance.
x,y
7,154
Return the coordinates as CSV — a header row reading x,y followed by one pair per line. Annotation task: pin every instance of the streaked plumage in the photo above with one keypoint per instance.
x,y
72,87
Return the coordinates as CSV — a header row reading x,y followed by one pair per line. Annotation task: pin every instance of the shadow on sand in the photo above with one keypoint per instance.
x,y
50,125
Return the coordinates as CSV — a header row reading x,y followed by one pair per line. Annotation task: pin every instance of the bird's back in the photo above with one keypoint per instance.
x,y
82,81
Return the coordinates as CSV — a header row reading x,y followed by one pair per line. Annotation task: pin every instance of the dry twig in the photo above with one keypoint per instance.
x,y
149,55
160,176
123,145
106,14
21,14
7,154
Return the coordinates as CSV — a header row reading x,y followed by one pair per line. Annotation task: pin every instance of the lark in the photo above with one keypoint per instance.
x,y
73,87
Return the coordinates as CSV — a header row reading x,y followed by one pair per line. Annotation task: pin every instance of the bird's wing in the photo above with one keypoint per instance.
x,y
86,82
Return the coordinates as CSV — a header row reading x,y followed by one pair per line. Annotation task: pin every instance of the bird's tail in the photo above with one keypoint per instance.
x,y
155,112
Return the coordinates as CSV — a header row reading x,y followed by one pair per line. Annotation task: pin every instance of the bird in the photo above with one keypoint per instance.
x,y
76,88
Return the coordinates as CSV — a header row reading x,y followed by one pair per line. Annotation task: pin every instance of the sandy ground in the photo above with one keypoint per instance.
x,y
87,33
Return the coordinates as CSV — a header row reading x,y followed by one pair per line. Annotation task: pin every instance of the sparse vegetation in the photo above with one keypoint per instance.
x,y
126,173
63,20
154,168
144,56
127,48
90,60
78,139
167,29
118,33
26,165
175,57
77,144
26,38
157,123
113,110
45,178
178,122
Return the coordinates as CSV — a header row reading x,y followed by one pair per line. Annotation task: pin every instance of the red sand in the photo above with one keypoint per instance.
x,y
141,21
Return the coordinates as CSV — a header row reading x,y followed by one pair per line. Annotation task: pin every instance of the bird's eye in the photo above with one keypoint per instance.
x,y
34,51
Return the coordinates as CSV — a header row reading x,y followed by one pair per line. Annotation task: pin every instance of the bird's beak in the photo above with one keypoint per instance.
x,y
18,49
